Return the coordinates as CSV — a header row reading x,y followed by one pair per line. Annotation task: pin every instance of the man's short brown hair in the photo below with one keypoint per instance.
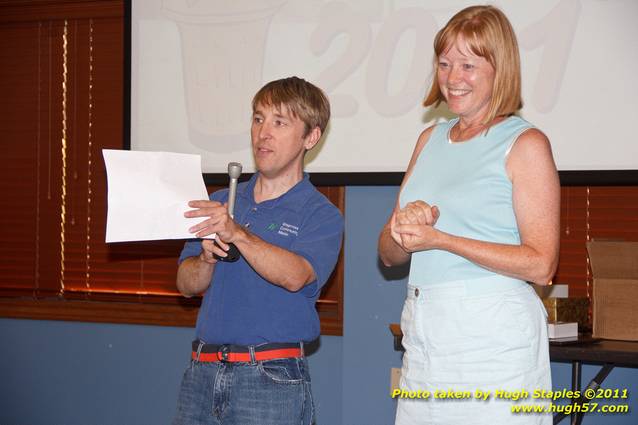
x,y
301,98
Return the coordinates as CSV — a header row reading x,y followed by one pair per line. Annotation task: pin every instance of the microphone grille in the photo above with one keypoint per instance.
x,y
234,170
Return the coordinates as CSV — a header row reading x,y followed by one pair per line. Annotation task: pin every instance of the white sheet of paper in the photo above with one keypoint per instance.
x,y
148,193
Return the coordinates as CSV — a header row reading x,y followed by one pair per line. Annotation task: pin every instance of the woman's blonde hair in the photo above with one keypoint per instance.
x,y
489,34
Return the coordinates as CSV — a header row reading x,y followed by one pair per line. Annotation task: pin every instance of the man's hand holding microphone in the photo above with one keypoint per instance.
x,y
220,221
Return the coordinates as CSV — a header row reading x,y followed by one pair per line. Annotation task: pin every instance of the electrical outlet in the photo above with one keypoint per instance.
x,y
395,377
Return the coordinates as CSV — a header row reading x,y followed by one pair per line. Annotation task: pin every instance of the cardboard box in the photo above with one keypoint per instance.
x,y
615,293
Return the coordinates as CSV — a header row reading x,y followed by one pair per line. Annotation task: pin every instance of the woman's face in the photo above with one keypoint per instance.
x,y
466,81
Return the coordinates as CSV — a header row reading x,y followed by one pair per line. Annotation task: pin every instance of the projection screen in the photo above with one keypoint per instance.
x,y
195,65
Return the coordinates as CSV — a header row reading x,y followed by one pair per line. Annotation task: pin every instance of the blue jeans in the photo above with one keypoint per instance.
x,y
273,392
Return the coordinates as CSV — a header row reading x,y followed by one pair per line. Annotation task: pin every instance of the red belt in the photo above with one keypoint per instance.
x,y
234,353
245,357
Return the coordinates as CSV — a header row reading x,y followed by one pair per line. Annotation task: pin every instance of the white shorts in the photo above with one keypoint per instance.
x,y
465,339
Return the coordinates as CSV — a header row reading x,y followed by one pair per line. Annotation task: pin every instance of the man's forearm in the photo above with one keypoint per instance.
x,y
277,265
194,276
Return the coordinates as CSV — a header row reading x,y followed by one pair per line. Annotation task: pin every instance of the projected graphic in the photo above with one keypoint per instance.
x,y
222,58
197,63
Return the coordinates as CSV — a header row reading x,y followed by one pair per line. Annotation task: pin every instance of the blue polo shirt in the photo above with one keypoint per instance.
x,y
239,306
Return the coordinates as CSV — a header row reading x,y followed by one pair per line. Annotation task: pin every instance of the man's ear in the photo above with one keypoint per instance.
x,y
312,138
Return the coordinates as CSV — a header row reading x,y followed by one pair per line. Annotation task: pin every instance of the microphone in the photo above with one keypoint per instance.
x,y
234,171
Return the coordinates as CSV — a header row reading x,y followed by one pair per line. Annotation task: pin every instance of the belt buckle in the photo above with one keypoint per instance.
x,y
223,353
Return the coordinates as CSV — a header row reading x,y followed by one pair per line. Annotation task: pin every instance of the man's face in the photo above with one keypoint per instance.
x,y
278,141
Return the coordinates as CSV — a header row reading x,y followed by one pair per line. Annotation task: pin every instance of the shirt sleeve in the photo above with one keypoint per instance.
x,y
319,242
193,247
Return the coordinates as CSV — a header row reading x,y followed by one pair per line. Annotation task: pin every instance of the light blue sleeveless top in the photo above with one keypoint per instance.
x,y
469,183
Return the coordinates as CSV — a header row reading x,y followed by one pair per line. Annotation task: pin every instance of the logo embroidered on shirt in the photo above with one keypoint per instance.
x,y
271,226
288,229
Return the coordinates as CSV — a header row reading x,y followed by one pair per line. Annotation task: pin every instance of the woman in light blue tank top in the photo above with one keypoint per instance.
x,y
478,217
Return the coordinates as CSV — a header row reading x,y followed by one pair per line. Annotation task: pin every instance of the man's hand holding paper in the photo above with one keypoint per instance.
x,y
148,194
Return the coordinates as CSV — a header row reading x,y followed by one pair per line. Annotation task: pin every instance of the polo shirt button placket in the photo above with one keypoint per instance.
x,y
247,224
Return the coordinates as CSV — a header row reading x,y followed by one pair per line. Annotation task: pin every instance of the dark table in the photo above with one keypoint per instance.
x,y
606,353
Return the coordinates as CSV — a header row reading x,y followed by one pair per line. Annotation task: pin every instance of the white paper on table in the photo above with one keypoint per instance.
x,y
148,193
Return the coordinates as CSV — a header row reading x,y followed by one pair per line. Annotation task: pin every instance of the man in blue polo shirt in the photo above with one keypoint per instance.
x,y
248,361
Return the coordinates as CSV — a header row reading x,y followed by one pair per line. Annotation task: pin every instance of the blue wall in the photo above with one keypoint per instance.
x,y
80,373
